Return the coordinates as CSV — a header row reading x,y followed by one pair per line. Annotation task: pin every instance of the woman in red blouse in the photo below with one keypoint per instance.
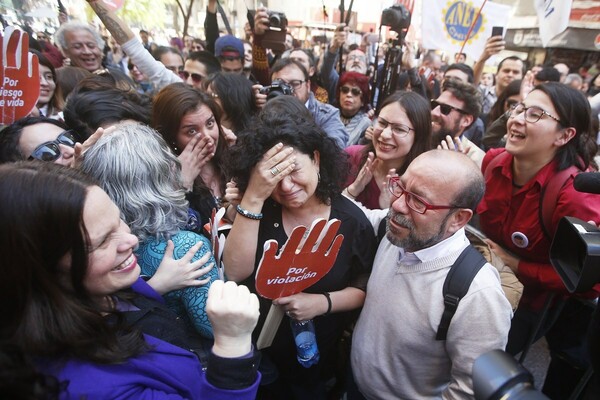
x,y
549,132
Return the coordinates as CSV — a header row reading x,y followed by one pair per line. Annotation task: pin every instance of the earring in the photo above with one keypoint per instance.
x,y
175,149
318,177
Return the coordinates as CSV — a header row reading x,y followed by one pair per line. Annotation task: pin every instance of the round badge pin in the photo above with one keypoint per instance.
x,y
519,239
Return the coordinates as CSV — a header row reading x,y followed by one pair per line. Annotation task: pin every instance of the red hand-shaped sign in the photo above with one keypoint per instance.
x,y
297,268
19,76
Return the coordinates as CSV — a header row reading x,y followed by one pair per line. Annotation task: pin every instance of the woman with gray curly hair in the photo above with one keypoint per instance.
x,y
141,175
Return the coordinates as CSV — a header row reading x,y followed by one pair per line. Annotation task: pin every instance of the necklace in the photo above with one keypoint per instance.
x,y
345,120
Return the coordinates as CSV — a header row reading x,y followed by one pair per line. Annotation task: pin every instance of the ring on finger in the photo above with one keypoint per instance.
x,y
275,171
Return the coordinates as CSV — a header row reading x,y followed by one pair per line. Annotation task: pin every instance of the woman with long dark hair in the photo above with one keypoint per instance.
x,y
401,132
549,140
189,121
72,300
50,102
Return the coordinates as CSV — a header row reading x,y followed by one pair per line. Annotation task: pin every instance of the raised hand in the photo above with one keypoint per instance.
x,y
19,76
453,144
233,312
261,21
276,164
339,38
81,148
364,176
493,45
527,85
385,196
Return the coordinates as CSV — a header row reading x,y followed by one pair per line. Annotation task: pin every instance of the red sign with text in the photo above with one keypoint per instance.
x,y
300,264
19,76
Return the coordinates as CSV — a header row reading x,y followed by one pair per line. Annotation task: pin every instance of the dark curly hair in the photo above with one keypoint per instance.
x,y
297,130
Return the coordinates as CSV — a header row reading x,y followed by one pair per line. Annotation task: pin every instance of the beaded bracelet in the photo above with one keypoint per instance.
x,y
328,297
248,214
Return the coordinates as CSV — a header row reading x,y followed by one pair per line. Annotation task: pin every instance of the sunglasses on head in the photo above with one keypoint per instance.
x,y
197,78
445,108
50,151
355,91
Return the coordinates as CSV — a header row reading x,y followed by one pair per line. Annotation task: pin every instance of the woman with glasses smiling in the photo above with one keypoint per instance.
x,y
401,132
37,138
549,139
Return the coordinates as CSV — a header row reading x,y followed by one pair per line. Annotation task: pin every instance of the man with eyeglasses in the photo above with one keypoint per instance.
x,y
326,116
395,353
453,112
356,61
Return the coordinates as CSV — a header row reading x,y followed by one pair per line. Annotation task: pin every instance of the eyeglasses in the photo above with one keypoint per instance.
x,y
197,78
532,114
400,130
357,57
295,84
355,91
445,108
50,151
414,202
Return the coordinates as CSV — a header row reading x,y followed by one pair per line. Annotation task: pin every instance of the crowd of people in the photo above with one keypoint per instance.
x,y
110,288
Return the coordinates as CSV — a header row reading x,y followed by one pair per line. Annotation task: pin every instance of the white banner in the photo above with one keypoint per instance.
x,y
553,16
445,24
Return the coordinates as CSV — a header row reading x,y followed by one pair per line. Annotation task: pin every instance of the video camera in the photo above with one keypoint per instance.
x,y
575,250
397,17
277,88
575,255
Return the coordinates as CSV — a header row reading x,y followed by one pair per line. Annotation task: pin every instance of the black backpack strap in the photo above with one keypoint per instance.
x,y
381,230
457,284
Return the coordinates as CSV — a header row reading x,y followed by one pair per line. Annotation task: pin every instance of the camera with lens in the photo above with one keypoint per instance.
x,y
277,88
497,375
397,17
274,37
277,21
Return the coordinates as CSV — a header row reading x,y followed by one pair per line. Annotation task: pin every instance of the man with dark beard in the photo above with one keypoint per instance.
x,y
395,353
453,112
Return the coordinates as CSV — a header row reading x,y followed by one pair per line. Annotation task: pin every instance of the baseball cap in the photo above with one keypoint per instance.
x,y
229,46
